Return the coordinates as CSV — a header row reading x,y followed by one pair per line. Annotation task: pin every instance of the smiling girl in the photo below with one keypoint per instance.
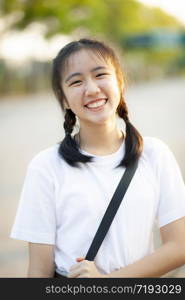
x,y
69,186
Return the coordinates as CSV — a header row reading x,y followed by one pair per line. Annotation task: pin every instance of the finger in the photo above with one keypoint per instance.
x,y
76,266
74,274
82,276
73,267
80,259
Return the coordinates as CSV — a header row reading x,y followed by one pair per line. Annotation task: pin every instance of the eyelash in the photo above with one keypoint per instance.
x,y
101,74
78,81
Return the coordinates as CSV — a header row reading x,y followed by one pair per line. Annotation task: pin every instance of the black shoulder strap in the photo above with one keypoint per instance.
x,y
111,211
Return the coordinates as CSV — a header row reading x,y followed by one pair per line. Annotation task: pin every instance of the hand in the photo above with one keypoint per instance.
x,y
84,269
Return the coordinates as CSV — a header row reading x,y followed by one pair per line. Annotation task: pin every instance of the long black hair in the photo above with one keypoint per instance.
x,y
69,149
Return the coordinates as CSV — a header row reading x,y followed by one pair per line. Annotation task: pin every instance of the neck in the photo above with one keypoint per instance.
x,y
100,140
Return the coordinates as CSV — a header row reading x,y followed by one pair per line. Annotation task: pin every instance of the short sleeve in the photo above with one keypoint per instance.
x,y
171,188
35,220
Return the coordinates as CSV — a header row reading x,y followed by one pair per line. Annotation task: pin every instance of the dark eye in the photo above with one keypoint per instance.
x,y
101,74
75,82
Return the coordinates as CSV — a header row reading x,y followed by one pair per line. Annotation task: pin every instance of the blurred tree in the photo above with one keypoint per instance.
x,y
112,18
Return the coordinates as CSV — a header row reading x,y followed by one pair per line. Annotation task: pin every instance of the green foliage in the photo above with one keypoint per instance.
x,y
114,20
111,18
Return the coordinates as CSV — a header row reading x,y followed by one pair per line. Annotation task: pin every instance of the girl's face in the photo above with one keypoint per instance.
x,y
91,88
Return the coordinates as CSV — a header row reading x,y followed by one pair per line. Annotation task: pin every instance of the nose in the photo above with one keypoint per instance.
x,y
91,88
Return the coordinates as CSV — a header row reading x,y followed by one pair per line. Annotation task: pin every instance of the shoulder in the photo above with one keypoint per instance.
x,y
46,159
156,153
159,155
154,147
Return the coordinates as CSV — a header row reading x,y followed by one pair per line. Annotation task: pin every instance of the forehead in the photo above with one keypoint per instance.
x,y
84,60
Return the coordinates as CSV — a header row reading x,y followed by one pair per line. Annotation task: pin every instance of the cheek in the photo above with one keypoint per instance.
x,y
114,89
73,97
75,100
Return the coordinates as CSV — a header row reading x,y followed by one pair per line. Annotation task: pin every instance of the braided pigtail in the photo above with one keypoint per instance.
x,y
69,148
133,140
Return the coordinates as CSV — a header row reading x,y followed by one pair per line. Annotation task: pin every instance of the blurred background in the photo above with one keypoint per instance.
x,y
149,36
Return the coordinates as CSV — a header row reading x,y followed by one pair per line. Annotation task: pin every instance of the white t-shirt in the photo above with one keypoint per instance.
x,y
63,205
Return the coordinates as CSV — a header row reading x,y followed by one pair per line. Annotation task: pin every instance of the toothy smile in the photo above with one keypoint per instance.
x,y
96,104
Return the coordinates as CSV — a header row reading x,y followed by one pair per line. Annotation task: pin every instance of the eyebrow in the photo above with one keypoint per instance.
x,y
78,73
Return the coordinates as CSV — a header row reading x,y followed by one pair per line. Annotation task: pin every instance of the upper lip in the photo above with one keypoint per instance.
x,y
95,100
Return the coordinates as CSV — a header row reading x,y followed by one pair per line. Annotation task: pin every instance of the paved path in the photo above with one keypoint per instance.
x,y
32,123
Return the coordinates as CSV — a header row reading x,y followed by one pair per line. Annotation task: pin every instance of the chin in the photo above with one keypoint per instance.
x,y
104,120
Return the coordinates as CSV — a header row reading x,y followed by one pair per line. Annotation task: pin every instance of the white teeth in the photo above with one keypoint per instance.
x,y
96,104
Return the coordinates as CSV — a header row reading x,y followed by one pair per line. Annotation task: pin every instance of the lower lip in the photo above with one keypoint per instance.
x,y
99,108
